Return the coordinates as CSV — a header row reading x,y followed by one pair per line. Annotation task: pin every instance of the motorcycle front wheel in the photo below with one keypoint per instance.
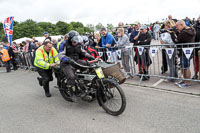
x,y
111,97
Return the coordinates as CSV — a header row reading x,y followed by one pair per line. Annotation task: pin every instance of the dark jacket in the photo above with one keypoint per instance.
x,y
48,38
144,39
133,34
187,35
74,52
10,52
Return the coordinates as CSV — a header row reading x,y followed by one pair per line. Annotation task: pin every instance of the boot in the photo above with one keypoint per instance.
x,y
145,77
46,88
147,72
47,93
40,81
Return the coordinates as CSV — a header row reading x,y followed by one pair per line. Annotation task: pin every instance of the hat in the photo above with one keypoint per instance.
x,y
137,22
143,27
45,33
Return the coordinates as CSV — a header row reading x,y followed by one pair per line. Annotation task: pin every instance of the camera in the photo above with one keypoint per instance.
x,y
170,29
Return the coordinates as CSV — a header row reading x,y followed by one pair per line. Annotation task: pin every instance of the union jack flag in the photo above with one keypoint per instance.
x,y
8,29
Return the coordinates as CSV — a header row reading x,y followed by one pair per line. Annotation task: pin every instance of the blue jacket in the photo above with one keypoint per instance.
x,y
61,47
108,39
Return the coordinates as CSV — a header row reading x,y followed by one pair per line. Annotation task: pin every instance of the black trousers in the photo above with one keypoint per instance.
x,y
46,77
164,67
69,71
14,64
7,65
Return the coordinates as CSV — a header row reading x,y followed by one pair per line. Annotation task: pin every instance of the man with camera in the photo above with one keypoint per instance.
x,y
183,34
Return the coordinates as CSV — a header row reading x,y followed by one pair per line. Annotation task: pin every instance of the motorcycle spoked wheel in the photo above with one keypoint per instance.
x,y
111,97
64,91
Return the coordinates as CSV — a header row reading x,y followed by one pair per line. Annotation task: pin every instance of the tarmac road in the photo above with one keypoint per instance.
x,y
25,109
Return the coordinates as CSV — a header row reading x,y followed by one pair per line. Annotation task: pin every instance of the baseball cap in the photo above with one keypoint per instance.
x,y
143,27
45,33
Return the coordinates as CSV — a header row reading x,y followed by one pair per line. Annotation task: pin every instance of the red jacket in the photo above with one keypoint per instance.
x,y
92,52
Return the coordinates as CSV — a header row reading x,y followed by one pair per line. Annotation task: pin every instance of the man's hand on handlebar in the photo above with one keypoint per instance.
x,y
53,65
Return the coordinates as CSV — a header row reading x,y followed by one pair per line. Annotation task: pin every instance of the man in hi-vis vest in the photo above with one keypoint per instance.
x,y
46,57
5,58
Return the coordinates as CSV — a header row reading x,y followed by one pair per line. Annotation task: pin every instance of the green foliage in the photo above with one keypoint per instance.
x,y
99,26
110,27
30,28
63,27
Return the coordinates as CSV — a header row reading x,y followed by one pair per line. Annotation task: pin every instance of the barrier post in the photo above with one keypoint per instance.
x,y
199,62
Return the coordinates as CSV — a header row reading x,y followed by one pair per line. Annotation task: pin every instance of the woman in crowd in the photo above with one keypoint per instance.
x,y
123,41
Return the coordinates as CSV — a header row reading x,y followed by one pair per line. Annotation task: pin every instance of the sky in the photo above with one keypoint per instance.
x,y
98,11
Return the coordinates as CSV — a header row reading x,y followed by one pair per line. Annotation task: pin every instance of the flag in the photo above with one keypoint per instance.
x,y
170,52
8,28
187,52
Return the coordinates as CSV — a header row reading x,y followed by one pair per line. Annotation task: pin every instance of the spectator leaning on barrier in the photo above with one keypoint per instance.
x,y
123,41
107,42
46,57
121,25
165,39
196,57
97,40
5,57
184,34
144,60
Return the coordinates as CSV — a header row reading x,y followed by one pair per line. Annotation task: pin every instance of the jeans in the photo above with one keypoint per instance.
x,y
125,59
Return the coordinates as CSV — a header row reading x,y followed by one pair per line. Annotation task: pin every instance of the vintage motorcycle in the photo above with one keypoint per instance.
x,y
92,84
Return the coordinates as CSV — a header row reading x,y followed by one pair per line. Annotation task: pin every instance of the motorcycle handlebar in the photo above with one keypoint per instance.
x,y
83,66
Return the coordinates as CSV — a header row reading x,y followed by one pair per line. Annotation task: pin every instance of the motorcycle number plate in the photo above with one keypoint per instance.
x,y
99,73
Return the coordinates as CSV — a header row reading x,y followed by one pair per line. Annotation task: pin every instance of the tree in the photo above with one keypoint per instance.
x,y
63,27
49,27
110,27
77,25
99,26
89,28
28,28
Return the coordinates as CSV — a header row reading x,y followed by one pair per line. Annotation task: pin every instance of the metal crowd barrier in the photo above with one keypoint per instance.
x,y
170,52
25,60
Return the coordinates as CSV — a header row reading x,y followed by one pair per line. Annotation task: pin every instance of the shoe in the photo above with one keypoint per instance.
x,y
40,81
195,77
145,78
47,93
128,77
179,83
184,85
